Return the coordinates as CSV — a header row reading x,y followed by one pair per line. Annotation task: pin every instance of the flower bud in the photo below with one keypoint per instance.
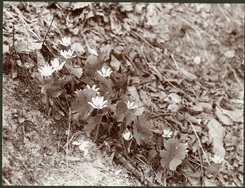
x,y
127,135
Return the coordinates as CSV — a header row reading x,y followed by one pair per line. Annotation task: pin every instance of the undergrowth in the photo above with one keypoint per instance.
x,y
113,75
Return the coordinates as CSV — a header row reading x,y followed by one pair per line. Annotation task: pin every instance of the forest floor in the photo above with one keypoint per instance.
x,y
191,52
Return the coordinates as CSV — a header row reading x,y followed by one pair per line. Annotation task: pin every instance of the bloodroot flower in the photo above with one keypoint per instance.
x,y
67,54
93,88
98,102
65,41
46,70
56,65
105,72
127,135
82,146
167,133
131,105
217,158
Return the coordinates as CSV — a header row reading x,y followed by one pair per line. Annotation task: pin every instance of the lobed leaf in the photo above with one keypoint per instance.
x,y
173,154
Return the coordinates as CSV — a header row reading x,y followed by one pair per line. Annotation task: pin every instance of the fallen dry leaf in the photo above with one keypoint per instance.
x,y
134,96
235,115
230,53
222,117
216,134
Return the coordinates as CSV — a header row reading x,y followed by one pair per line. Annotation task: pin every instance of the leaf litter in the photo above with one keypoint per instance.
x,y
177,76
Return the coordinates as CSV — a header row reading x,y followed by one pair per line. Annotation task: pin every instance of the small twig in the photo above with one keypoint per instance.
x,y
199,141
13,37
46,98
159,180
48,30
129,60
135,34
235,75
6,181
199,153
176,64
22,19
80,175
201,30
190,160
198,33
224,14
68,134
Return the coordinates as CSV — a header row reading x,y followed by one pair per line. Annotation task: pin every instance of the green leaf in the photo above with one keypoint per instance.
x,y
78,48
106,52
78,72
40,59
120,111
141,129
214,168
152,154
115,63
80,106
53,90
27,46
173,154
92,123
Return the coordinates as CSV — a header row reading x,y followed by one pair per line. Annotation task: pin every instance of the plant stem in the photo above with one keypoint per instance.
x,y
97,132
98,126
46,99
200,144
72,83
68,135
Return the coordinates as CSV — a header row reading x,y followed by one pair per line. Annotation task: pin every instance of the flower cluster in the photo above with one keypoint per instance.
x,y
48,70
67,54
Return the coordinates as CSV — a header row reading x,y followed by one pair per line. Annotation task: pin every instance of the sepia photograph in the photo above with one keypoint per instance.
x,y
122,94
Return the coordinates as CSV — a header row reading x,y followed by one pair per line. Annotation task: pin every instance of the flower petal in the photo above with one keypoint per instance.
x,y
92,104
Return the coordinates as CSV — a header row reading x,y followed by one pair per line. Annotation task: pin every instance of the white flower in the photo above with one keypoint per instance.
x,y
131,105
93,88
67,54
217,159
127,135
56,65
46,70
82,146
65,41
167,133
98,102
105,72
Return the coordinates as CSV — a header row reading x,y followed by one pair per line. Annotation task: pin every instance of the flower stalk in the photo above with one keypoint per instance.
x,y
98,126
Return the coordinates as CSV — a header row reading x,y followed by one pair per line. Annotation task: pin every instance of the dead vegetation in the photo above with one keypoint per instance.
x,y
182,64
